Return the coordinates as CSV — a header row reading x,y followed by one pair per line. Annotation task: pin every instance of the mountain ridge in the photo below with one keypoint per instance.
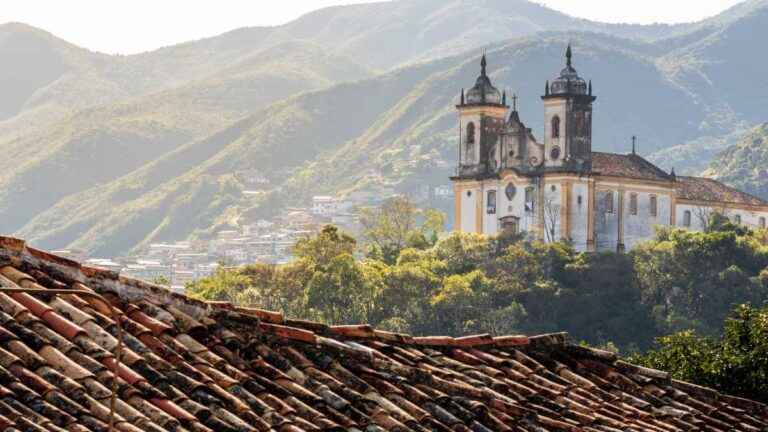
x,y
337,122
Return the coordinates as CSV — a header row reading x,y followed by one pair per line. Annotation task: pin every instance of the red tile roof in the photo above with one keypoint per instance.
x,y
704,189
195,366
626,165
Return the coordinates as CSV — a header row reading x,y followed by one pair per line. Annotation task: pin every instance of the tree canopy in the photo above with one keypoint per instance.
x,y
668,298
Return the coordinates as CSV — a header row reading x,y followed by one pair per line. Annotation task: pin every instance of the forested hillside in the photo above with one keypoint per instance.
x,y
745,164
108,153
415,279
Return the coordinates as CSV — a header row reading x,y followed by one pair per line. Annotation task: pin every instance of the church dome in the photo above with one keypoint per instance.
x,y
569,81
483,92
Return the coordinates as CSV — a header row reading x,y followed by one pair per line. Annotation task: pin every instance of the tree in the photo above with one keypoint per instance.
x,y
398,224
693,279
735,363
323,248
388,226
223,285
339,292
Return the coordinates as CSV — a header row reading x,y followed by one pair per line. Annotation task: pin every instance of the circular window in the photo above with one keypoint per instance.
x,y
554,188
511,153
469,193
554,154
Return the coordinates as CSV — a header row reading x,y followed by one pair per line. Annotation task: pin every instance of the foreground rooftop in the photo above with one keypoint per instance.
x,y
190,365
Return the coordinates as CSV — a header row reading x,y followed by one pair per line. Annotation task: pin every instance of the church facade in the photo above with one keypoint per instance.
x,y
559,188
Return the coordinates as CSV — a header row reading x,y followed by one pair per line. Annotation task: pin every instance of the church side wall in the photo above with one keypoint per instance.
x,y
468,199
701,212
606,220
641,226
698,216
490,220
578,214
553,211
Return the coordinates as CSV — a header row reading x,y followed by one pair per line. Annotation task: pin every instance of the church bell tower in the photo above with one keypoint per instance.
x,y
481,121
568,120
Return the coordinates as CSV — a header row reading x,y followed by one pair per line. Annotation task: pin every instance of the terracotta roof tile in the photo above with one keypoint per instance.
x,y
626,165
705,189
197,366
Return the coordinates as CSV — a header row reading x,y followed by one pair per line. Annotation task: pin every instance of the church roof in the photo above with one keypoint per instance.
x,y
626,165
483,91
568,82
705,189
189,365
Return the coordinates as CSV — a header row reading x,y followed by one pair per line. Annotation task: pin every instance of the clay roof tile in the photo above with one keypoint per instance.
x,y
190,365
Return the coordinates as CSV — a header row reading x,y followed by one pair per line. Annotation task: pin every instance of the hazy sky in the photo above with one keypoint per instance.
x,y
114,26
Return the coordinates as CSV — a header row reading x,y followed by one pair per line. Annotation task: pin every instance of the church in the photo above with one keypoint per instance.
x,y
507,180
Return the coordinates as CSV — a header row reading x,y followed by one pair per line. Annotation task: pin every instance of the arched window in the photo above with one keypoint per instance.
x,y
687,218
530,198
555,127
654,206
762,222
737,219
609,202
491,202
470,133
633,204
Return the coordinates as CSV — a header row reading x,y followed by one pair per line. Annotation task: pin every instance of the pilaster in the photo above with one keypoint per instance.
x,y
620,221
541,226
457,191
591,215
479,210
565,210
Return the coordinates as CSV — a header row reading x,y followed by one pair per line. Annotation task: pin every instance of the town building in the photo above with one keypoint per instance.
x,y
324,205
559,188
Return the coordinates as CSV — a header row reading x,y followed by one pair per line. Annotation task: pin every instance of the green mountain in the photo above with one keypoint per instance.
x,y
166,149
745,164
103,143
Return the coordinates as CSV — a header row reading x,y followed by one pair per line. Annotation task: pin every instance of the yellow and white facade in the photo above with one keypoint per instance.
x,y
561,189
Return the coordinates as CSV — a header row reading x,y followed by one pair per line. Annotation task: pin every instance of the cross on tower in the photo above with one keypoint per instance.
x,y
514,101
634,142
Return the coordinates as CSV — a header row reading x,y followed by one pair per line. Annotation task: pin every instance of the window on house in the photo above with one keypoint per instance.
x,y
687,218
762,222
555,127
633,204
579,200
609,202
737,219
491,202
470,133
654,206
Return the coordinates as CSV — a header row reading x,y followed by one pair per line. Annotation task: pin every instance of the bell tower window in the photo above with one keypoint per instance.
x,y
556,127
471,133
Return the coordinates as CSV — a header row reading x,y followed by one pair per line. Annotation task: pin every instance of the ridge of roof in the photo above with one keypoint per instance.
x,y
190,365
